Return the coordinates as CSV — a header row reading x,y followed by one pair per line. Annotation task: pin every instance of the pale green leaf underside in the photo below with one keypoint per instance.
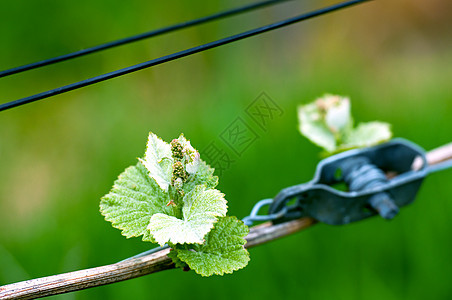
x,y
368,134
158,160
222,252
314,127
134,198
338,116
200,211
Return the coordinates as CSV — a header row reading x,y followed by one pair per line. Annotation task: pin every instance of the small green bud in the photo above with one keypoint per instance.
x,y
177,150
178,172
177,183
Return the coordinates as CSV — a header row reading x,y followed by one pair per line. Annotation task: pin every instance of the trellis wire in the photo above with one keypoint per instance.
x,y
179,54
139,37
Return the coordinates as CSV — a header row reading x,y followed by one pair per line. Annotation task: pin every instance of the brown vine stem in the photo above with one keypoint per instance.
x,y
159,261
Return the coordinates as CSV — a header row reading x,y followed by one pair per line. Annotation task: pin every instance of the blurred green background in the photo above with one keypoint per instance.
x,y
59,156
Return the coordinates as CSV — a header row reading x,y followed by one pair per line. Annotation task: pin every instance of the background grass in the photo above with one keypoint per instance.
x,y
59,156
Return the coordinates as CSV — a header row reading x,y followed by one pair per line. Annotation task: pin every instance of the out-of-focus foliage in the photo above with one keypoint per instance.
x,y
58,157
327,122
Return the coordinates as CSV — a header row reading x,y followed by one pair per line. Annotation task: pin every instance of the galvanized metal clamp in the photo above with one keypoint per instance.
x,y
369,191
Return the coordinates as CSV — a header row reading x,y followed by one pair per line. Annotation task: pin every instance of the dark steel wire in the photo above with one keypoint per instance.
x,y
177,55
139,37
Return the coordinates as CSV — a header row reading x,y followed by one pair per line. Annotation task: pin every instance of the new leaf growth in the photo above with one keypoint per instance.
x,y
169,197
327,122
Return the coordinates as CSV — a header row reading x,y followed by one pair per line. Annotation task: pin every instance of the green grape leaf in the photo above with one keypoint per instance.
x,y
327,122
176,260
200,211
204,175
169,197
222,252
134,198
158,160
368,134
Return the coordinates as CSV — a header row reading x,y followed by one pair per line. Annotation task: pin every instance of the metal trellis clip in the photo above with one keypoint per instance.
x,y
369,190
